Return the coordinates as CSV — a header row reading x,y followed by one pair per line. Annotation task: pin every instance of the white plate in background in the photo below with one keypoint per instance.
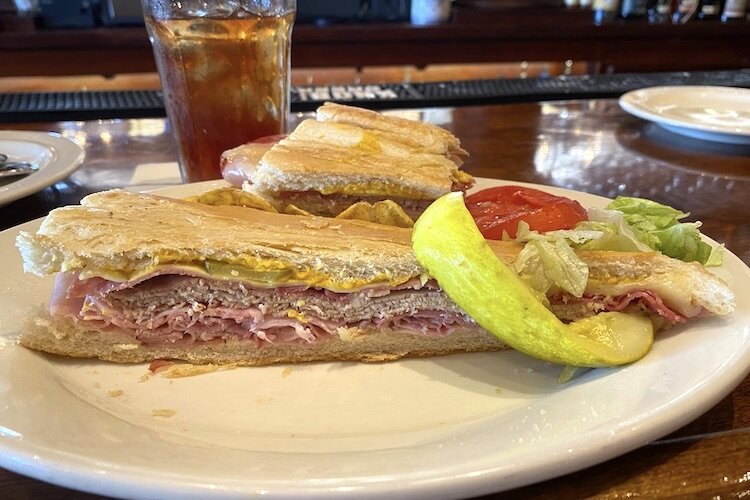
x,y
56,156
442,427
710,113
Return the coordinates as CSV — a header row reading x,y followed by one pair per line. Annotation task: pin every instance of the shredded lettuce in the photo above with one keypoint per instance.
x,y
618,235
646,214
626,225
529,268
658,226
577,236
717,256
563,266
548,259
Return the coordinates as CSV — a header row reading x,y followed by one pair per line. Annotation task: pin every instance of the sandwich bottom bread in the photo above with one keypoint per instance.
x,y
64,338
141,277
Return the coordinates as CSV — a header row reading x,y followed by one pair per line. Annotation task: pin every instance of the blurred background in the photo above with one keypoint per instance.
x,y
74,45
363,46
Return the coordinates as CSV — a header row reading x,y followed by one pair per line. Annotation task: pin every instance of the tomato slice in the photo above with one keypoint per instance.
x,y
501,208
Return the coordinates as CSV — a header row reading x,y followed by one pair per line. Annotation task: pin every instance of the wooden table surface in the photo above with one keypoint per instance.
x,y
584,145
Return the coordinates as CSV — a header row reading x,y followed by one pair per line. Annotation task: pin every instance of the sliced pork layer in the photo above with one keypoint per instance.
x,y
569,308
334,204
164,292
172,308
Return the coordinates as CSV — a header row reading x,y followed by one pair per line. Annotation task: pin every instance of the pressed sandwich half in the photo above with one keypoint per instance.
x,y
141,277
348,155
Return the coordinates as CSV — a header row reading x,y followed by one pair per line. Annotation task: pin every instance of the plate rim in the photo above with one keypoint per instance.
x,y
657,424
68,157
629,104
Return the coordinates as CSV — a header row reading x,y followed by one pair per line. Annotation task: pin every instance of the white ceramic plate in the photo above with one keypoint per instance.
x,y
719,114
56,156
454,426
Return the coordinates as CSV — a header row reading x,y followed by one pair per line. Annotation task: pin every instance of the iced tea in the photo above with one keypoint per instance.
x,y
225,82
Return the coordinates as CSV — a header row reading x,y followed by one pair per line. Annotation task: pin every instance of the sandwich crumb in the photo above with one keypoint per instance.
x,y
116,393
159,364
498,391
163,412
143,378
314,223
286,372
9,341
180,371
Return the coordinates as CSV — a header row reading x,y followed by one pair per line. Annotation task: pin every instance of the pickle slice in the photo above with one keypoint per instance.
x,y
448,244
225,270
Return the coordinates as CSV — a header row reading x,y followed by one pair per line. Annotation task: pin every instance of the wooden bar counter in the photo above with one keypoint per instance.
x,y
588,145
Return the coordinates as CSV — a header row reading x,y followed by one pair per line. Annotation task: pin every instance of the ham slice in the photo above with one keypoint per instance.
x,y
162,308
646,299
569,308
159,309
238,165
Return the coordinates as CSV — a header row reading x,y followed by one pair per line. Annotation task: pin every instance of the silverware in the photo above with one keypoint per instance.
x,y
16,172
15,168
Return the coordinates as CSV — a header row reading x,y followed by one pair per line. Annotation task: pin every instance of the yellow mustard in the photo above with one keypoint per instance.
x,y
262,272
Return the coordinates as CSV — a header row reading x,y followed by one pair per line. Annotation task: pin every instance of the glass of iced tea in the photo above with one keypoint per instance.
x,y
224,70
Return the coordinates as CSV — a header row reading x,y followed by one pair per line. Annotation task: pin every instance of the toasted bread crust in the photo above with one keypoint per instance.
x,y
611,271
122,230
367,140
422,135
294,165
63,338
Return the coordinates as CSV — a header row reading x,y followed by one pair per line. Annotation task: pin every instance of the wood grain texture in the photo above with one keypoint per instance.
x,y
584,145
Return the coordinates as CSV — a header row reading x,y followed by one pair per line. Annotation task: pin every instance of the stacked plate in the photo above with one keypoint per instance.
x,y
720,114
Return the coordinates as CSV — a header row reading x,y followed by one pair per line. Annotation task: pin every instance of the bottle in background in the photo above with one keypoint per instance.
x,y
686,11
634,9
424,12
709,10
605,11
734,10
659,11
